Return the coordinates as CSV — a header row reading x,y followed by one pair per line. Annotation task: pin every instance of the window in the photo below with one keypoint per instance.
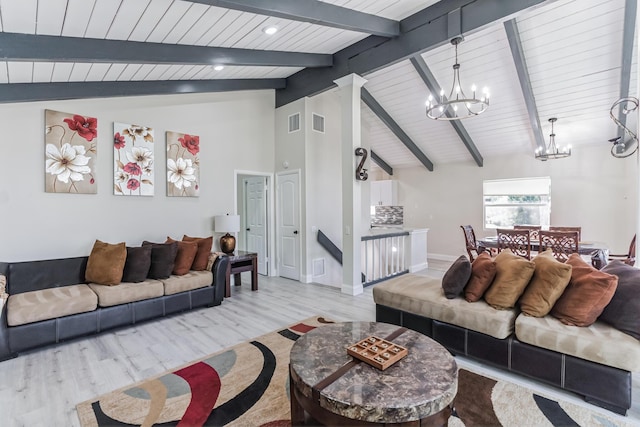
x,y
517,201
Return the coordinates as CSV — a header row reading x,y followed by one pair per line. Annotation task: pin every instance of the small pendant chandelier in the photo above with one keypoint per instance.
x,y
457,105
552,151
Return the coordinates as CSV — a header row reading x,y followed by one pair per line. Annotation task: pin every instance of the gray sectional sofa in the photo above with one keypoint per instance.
x,y
596,361
49,301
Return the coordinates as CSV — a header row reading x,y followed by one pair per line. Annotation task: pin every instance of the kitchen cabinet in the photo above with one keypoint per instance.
x,y
384,193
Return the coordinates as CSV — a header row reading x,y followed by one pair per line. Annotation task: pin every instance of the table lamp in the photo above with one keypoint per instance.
x,y
227,224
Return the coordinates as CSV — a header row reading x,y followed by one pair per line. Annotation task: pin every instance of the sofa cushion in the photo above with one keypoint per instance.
x,y
34,306
106,263
623,312
184,258
127,292
549,280
163,258
600,343
588,293
456,277
137,265
512,276
204,249
423,296
192,280
483,271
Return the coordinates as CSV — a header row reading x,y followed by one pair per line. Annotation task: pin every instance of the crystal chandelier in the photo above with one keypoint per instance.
x,y
552,151
457,105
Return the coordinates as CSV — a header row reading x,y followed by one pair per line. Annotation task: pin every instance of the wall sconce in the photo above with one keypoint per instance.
x,y
361,172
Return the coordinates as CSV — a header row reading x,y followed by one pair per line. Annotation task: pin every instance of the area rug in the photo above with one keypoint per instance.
x,y
248,385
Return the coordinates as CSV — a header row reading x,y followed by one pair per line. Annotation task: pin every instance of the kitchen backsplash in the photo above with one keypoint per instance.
x,y
387,216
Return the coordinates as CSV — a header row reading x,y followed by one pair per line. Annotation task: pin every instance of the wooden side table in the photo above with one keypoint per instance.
x,y
240,262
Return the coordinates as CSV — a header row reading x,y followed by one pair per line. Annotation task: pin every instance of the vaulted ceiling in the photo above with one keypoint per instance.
x,y
569,59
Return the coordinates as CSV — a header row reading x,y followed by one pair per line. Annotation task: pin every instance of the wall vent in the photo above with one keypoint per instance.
x,y
317,123
318,267
294,122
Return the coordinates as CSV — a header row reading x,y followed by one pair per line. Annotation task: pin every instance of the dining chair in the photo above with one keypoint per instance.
x,y
471,243
630,257
534,230
578,229
562,243
519,241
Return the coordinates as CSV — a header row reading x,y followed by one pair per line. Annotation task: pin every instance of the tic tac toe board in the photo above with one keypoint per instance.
x,y
377,352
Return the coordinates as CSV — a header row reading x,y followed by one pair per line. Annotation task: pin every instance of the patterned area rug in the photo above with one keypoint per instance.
x,y
248,385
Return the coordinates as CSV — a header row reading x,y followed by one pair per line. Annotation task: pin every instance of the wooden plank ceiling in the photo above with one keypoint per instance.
x,y
573,51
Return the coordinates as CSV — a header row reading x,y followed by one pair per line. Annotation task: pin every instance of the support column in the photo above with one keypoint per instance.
x,y
351,192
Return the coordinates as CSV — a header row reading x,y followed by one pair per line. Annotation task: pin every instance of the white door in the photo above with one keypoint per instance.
x,y
256,219
289,225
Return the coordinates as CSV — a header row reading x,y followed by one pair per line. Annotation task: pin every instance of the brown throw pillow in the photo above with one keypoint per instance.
x,y
163,257
106,263
549,280
136,268
623,312
185,256
512,276
204,249
588,293
456,277
483,271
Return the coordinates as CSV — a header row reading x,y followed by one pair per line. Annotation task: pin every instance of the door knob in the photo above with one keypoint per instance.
x,y
295,232
248,229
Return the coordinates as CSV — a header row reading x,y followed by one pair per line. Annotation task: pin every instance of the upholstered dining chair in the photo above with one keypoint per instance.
x,y
629,258
562,243
578,229
534,230
471,243
519,241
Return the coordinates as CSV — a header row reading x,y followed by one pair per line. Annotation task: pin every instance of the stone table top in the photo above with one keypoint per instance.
x,y
420,385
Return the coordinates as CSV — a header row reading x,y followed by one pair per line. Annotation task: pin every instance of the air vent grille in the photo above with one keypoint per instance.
x,y
294,122
317,123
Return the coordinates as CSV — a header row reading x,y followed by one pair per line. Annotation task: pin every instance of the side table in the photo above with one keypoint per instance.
x,y
240,262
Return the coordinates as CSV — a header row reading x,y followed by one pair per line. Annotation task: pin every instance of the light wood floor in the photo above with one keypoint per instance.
x,y
41,388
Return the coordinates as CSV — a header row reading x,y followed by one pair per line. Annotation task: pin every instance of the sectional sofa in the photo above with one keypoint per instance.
x,y
50,301
596,362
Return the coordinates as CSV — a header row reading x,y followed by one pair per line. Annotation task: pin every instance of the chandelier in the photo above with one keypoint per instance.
x,y
552,151
457,105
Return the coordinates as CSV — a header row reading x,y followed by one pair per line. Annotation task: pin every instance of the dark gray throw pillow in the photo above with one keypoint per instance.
x,y
622,311
136,267
163,258
456,278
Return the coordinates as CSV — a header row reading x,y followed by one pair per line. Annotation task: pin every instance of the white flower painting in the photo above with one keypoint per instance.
x,y
70,153
133,160
183,165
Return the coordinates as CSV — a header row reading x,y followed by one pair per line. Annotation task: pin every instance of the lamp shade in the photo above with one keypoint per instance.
x,y
227,223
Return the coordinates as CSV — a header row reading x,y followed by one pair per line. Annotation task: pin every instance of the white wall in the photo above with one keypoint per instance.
x,y
589,189
236,131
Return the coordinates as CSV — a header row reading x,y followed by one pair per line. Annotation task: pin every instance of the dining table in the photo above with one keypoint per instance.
x,y
584,247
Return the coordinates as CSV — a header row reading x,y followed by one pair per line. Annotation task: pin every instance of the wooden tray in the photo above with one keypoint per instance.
x,y
377,352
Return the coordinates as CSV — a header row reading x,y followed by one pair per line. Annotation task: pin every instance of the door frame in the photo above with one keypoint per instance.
x,y
301,227
272,266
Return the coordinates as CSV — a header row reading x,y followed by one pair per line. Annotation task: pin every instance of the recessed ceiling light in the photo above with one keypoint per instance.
x,y
271,30
219,67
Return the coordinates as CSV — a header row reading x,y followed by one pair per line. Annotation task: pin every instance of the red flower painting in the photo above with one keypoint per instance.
x,y
85,127
118,141
133,184
191,143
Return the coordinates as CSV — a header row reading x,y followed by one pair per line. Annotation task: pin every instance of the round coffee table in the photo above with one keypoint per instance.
x,y
336,389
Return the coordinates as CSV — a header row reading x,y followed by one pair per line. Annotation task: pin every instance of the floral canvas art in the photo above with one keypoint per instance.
x,y
183,165
133,160
70,153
